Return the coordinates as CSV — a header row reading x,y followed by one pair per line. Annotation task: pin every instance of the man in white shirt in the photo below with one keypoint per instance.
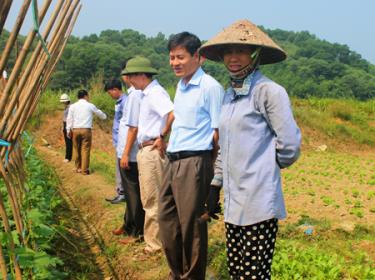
x,y
79,125
155,119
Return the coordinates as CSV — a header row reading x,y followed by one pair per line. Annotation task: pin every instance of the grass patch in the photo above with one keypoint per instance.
x,y
343,119
103,164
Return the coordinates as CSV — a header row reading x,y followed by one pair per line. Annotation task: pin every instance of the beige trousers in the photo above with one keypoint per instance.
x,y
81,148
151,167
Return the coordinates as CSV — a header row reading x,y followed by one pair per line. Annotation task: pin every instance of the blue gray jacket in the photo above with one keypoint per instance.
x,y
258,137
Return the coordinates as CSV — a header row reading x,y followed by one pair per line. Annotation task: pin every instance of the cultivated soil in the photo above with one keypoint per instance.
x,y
335,185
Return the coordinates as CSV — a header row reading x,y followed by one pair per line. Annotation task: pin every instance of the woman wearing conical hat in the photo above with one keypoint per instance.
x,y
258,137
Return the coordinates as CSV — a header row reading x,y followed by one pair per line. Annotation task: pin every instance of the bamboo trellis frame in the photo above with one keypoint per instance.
x,y
18,100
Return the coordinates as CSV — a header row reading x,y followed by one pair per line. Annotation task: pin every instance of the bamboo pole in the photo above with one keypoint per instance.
x,y
13,35
3,265
7,229
37,75
56,26
59,22
4,10
23,100
26,75
19,63
32,108
13,201
68,33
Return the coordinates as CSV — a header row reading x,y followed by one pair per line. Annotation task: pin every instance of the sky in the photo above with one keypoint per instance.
x,y
337,21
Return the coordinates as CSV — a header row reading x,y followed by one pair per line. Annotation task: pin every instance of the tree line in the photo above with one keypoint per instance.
x,y
314,67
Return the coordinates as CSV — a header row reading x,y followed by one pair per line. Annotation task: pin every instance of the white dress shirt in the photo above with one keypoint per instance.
x,y
155,106
81,114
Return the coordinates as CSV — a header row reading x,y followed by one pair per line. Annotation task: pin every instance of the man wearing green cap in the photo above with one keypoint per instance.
x,y
155,119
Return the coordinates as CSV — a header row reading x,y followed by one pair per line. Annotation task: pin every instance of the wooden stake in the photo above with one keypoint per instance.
x,y
4,10
13,35
26,74
19,62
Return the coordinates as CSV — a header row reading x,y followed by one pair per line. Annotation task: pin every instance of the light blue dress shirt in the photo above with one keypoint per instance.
x,y
258,136
116,120
130,117
197,110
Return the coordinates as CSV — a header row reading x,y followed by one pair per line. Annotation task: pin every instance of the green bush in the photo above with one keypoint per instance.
x,y
37,259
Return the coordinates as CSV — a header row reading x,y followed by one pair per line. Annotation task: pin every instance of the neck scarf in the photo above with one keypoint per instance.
x,y
243,88
241,80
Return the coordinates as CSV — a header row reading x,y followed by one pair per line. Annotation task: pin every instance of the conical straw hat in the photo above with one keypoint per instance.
x,y
243,32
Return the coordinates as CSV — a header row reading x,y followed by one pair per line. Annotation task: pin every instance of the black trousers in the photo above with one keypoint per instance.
x,y
68,144
134,217
250,249
182,199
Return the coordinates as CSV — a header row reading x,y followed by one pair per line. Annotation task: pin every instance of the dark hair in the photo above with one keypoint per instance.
x,y
82,93
185,39
112,84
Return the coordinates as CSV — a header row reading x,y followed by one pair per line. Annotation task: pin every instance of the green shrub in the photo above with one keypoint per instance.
x,y
37,260
293,262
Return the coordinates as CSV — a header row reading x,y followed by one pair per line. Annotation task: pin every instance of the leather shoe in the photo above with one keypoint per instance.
x,y
128,240
87,172
117,200
149,251
119,231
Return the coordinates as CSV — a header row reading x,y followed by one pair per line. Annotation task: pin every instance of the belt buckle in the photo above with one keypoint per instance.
x,y
172,156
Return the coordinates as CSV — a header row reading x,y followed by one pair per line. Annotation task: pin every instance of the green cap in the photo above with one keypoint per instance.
x,y
138,64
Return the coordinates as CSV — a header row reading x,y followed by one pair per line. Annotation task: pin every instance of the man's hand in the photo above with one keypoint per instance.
x,y
124,162
159,145
69,134
213,204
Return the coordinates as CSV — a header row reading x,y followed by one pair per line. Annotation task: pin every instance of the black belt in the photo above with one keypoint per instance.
x,y
185,154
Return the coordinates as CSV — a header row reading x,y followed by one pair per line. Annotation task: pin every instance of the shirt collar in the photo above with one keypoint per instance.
x,y
147,90
119,100
195,79
252,80
130,90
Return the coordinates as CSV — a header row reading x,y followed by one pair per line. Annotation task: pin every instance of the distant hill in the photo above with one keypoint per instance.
x,y
314,67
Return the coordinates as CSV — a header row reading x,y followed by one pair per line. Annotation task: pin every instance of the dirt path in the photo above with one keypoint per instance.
x,y
96,218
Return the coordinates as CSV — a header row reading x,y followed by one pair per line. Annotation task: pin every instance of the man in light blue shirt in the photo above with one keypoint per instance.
x,y
196,121
127,148
193,144
114,89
